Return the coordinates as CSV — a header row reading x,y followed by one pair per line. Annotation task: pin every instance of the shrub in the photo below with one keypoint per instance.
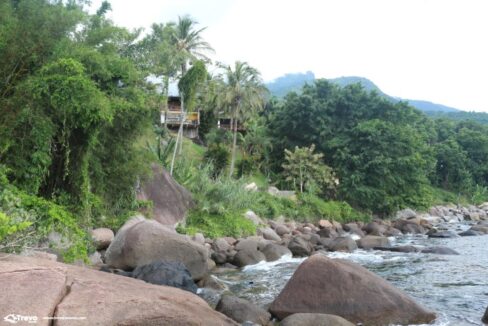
x,y
218,156
232,224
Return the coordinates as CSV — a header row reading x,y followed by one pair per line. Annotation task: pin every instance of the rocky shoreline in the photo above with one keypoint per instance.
x,y
322,291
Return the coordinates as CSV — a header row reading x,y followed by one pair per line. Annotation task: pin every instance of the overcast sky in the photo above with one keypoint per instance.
x,y
435,50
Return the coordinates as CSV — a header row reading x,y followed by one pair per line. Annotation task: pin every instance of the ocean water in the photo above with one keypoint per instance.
x,y
455,287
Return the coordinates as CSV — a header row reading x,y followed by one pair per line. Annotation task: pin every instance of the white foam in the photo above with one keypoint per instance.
x,y
265,266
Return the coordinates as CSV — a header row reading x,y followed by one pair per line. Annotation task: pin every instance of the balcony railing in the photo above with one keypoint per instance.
x,y
175,118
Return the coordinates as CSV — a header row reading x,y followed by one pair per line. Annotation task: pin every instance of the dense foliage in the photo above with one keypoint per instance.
x,y
386,155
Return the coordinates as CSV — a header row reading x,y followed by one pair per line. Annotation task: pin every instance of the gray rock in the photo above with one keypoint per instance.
x,y
372,241
310,319
485,317
102,237
247,244
274,252
327,233
281,229
405,249
434,233
250,215
439,251
248,257
173,274
269,234
140,242
300,247
469,233
242,310
480,228
199,238
346,244
406,214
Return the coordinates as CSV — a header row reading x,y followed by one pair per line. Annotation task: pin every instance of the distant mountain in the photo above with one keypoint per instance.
x,y
290,82
294,82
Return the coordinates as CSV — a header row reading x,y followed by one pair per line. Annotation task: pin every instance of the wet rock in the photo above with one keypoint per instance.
x,y
485,317
300,247
392,232
439,251
274,252
434,233
374,228
480,228
242,310
173,274
353,228
343,288
248,257
247,244
371,241
346,244
308,319
405,249
211,282
469,233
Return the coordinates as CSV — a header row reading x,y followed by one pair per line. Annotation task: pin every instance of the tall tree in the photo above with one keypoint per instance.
x,y
243,93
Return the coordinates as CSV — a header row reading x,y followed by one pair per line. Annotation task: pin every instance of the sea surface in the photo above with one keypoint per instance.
x,y
455,287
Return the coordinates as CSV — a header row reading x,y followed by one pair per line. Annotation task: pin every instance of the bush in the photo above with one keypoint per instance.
x,y
232,224
218,156
27,220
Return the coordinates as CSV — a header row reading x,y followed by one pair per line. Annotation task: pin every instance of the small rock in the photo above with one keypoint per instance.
x,y
247,244
199,238
325,224
346,244
250,215
251,187
281,230
434,233
406,249
469,233
269,234
95,258
102,237
406,214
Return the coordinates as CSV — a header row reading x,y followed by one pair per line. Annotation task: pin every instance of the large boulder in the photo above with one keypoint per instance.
x,y
172,274
274,252
100,298
140,242
343,288
304,319
242,310
170,200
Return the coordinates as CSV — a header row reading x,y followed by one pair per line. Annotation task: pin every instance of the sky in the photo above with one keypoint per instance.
x,y
435,50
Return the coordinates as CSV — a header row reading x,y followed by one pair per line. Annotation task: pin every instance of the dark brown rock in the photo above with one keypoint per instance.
x,y
346,244
300,247
274,252
342,288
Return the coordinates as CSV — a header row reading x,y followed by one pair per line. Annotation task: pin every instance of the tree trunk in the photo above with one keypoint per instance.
x,y
234,146
166,98
179,136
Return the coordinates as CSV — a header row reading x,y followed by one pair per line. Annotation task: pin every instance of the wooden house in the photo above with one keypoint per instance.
x,y
172,117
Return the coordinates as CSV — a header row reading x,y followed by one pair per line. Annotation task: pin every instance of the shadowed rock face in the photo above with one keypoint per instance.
x,y
342,288
485,317
172,274
171,200
43,288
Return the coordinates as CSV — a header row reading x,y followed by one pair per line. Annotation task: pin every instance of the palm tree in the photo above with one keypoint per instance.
x,y
189,43
243,93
